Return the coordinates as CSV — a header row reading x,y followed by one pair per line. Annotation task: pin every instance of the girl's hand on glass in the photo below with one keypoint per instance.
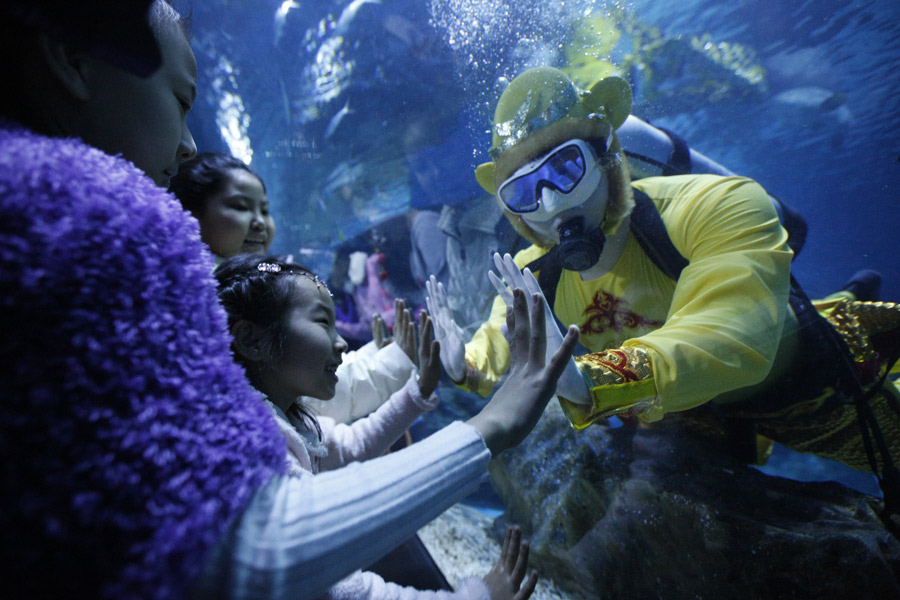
x,y
518,403
505,580
429,356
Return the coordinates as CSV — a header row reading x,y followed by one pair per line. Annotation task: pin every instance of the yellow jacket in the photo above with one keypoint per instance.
x,y
657,345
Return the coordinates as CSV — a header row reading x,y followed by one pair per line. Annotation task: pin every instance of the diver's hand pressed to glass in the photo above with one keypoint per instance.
x,y
505,580
446,331
518,403
571,384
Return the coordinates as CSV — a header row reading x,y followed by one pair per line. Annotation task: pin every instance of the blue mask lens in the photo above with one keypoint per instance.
x,y
561,171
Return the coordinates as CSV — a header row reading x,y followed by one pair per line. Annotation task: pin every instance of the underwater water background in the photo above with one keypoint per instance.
x,y
328,99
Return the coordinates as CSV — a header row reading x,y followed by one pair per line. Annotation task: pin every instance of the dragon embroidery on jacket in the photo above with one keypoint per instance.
x,y
606,311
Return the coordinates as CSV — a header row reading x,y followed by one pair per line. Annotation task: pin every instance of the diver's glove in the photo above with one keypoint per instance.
x,y
446,331
571,385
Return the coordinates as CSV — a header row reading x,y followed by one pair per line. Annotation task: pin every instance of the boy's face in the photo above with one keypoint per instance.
x,y
144,119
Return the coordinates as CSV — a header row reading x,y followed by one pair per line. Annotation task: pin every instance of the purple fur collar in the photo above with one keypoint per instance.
x,y
130,439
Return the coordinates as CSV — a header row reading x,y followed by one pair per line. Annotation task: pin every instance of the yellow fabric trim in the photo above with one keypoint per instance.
x,y
617,366
857,322
835,434
611,400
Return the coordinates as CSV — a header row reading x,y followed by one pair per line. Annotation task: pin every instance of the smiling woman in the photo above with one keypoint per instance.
x,y
229,200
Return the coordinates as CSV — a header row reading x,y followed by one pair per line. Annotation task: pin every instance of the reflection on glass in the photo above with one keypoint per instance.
x,y
367,120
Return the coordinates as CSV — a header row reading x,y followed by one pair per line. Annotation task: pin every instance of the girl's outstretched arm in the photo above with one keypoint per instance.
x,y
300,535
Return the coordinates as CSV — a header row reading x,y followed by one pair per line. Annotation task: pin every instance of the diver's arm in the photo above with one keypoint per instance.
x,y
726,316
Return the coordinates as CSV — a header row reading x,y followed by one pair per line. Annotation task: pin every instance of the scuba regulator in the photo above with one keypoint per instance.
x,y
579,251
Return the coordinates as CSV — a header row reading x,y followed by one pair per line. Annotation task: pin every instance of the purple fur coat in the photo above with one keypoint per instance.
x,y
130,440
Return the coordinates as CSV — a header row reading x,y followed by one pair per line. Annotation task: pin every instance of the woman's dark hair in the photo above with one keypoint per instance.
x,y
122,33
203,176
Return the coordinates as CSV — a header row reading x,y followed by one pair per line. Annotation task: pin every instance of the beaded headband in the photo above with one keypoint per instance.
x,y
275,268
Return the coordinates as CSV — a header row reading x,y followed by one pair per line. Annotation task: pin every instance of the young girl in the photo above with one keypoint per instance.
x,y
229,200
283,322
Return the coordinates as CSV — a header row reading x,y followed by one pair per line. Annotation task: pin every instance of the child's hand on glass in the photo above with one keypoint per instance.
x,y
571,384
429,356
404,329
504,581
518,403
426,354
379,332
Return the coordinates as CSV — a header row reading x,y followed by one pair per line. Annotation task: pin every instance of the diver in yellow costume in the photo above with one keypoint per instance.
x,y
723,330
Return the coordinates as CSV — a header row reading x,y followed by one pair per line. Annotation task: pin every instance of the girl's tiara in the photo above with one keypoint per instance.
x,y
266,267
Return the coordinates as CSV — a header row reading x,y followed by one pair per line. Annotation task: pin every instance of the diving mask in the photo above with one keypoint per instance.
x,y
571,170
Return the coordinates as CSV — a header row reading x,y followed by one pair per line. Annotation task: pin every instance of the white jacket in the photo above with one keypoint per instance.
x,y
366,379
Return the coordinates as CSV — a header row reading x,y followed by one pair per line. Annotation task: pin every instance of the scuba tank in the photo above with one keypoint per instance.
x,y
653,151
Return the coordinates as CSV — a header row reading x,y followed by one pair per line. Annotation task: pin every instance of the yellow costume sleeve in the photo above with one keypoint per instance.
x,y
659,346
726,313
